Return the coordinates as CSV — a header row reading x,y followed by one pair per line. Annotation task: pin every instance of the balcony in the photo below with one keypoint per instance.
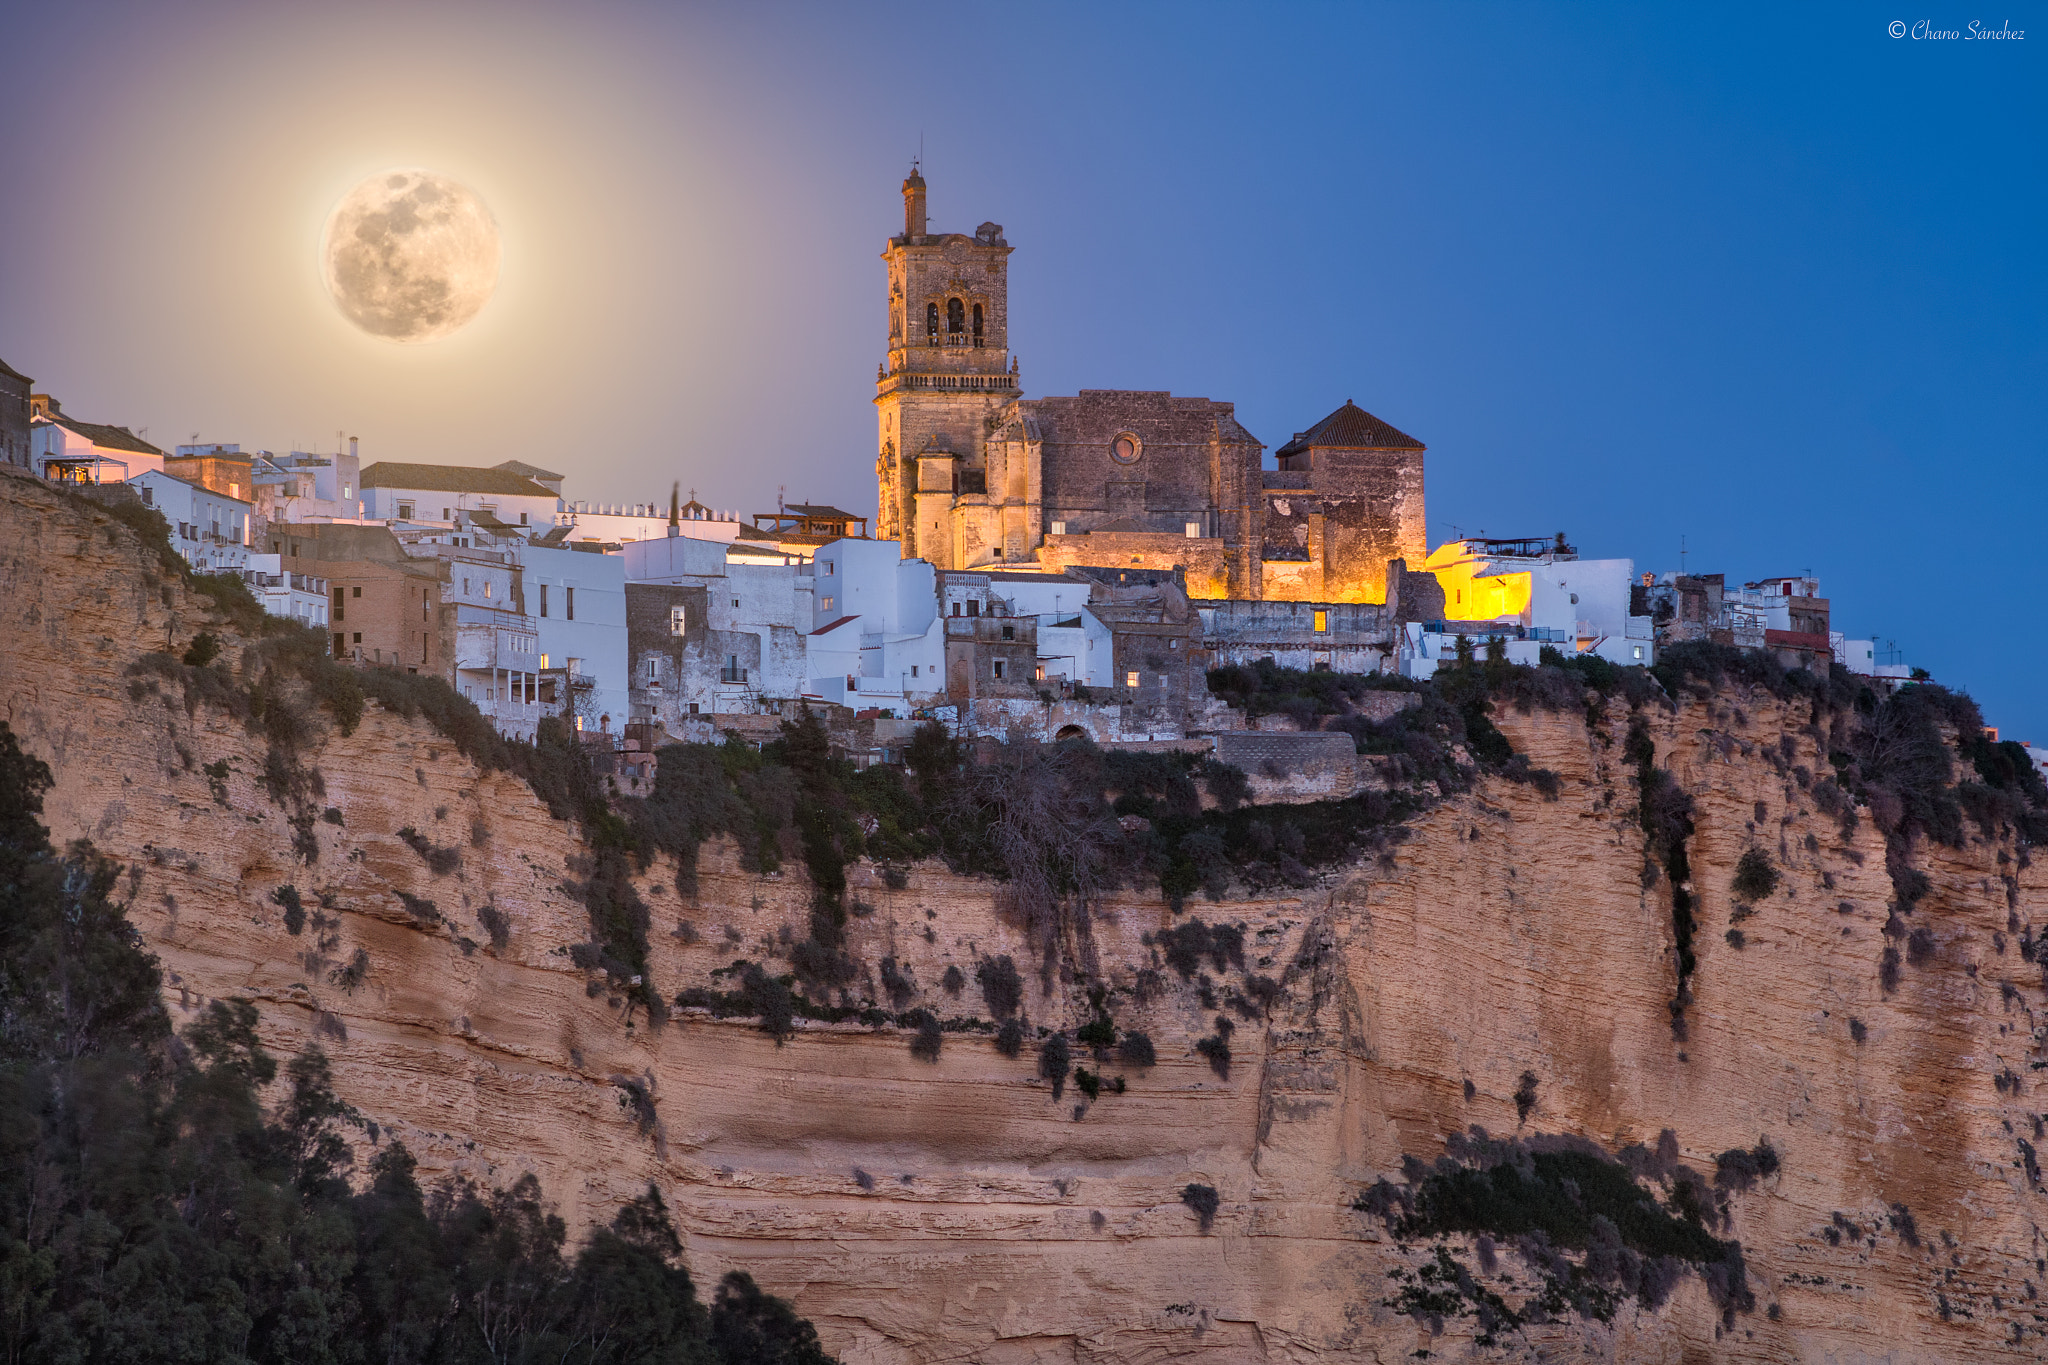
x,y
732,677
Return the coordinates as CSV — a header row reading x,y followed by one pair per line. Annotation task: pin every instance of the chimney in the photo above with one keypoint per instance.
x,y
913,204
352,447
675,525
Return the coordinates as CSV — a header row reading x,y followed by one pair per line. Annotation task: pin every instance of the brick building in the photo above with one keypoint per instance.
x,y
971,475
384,605
14,409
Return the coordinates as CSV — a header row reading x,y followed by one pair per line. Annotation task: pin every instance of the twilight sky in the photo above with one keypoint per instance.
x,y
1772,282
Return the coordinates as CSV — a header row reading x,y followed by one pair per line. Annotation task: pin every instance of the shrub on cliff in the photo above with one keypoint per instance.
x,y
1204,1201
1755,877
1001,986
1551,1196
1055,1060
153,1207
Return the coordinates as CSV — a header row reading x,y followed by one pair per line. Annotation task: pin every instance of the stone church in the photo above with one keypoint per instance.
x,y
971,474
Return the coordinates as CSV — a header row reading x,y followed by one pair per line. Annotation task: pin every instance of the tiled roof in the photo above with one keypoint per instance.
x,y
527,471
819,511
451,478
827,630
1351,427
106,437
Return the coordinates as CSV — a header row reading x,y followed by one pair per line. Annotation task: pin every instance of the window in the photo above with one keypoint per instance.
x,y
735,601
465,587
1009,632
828,568
977,324
148,496
956,608
913,670
1639,651
931,321
974,608
487,588
357,637
1131,678
543,599
653,670
569,603
355,592
1059,528
999,668
1194,530
956,317
825,604
522,518
295,549
345,493
405,511
338,646
445,516
1322,620
543,661
676,618
1039,675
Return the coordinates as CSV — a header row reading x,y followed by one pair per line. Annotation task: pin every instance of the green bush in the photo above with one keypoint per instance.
x,y
1204,1200
1055,1059
1755,877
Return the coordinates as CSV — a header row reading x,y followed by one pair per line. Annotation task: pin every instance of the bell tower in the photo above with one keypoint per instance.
x,y
948,370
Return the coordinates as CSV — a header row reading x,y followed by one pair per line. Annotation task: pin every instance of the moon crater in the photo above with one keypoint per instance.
x,y
411,256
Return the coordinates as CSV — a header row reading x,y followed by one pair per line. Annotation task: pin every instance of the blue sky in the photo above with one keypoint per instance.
x,y
1770,282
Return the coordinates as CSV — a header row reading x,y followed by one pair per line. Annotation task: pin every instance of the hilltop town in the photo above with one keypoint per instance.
x,y
1039,568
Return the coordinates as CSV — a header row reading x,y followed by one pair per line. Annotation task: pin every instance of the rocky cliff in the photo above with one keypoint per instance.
x,y
1511,964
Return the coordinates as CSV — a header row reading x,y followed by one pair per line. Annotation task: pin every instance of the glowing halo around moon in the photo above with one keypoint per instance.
x,y
410,256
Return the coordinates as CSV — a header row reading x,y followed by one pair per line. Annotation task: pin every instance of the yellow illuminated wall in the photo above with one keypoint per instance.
x,y
1470,594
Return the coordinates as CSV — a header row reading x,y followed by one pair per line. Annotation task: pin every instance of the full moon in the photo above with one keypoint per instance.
x,y
410,255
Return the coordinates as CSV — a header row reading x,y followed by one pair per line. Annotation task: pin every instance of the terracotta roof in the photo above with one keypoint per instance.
x,y
527,471
106,437
827,630
451,478
817,511
1351,427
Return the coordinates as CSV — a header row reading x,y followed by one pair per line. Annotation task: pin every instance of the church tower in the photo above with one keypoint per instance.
x,y
948,372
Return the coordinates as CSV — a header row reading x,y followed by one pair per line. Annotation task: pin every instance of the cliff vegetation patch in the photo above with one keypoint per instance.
x,y
1594,1230
186,1197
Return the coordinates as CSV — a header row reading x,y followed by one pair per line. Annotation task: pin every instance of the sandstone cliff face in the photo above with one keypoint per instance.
x,y
954,1210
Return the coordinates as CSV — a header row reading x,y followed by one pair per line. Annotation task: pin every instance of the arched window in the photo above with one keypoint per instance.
x,y
956,317
931,322
977,324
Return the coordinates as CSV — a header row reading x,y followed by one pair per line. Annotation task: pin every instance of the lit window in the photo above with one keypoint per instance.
x,y
1639,651
543,661
1131,678
999,668
828,568
825,605
1194,530
1322,620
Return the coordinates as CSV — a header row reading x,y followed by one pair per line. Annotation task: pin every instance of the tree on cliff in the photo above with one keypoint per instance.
x,y
151,1209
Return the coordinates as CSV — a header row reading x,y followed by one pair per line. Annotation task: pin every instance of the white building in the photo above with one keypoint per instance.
x,y
577,599
300,597
64,449
742,647
624,523
211,530
439,494
1539,593
875,638
1072,643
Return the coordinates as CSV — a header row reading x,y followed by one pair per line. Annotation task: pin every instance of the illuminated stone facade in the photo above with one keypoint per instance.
x,y
971,475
